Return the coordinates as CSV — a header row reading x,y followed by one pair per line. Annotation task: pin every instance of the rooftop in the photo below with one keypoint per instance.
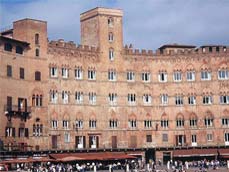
x,y
176,46
100,11
14,40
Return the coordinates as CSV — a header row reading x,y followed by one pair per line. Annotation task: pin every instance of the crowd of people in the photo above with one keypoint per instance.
x,y
126,165
76,167
201,165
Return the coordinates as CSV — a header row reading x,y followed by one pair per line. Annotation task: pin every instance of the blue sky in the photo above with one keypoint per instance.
x,y
147,24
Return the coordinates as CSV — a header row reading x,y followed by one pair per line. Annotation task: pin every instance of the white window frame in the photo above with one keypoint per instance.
x,y
79,97
79,124
92,98
208,122
146,76
67,137
164,123
65,124
9,132
205,75
132,124
209,137
179,100
112,75
92,124
113,123
162,77
53,72
148,124
131,98
224,99
194,140
207,100
78,73
191,76
147,99
193,122
180,123
111,54
192,100
225,122
65,97
112,98
94,142
130,76
110,37
164,99
223,74
54,124
177,76
53,96
91,74
226,137
65,72
110,22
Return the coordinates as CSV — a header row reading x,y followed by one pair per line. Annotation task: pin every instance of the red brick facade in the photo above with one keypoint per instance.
x,y
101,95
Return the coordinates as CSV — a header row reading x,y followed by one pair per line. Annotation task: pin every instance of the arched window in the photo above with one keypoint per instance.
x,y
53,96
8,47
111,37
110,22
37,130
111,54
209,120
37,100
40,100
37,76
19,50
36,38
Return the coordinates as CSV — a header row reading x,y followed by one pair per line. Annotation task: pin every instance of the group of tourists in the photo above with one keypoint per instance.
x,y
76,167
201,165
127,166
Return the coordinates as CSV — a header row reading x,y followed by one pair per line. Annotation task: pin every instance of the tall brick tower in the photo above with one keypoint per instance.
x,y
34,32
102,27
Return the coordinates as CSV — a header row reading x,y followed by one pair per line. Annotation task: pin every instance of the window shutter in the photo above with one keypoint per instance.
x,y
26,132
97,141
19,106
184,139
13,132
84,142
77,141
19,133
90,140
25,105
9,103
176,140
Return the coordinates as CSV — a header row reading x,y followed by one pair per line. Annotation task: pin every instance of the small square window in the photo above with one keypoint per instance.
x,y
9,71
149,138
22,73
164,137
37,76
209,137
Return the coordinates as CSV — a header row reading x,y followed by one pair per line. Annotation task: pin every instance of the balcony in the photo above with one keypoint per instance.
x,y
17,111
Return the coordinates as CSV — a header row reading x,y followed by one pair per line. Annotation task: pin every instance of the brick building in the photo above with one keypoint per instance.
x,y
102,95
